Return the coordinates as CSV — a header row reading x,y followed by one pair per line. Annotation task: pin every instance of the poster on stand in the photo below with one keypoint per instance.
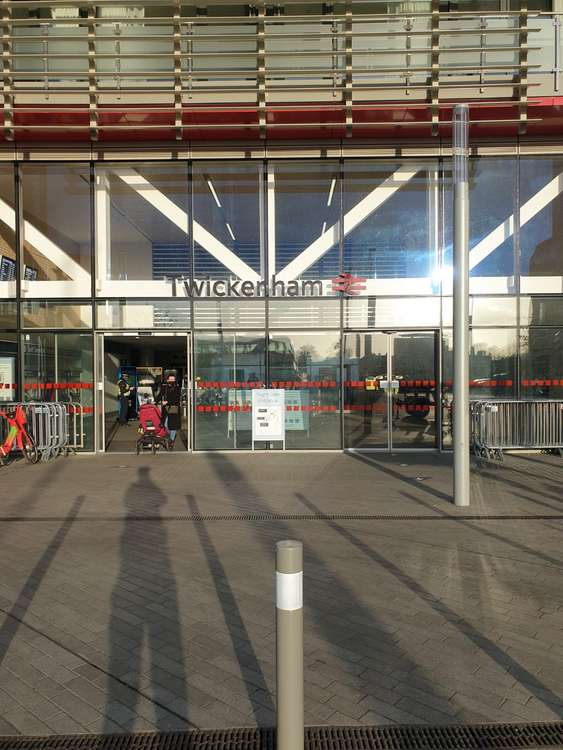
x,y
268,414
7,378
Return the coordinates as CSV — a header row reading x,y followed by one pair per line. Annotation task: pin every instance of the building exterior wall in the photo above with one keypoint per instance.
x,y
94,246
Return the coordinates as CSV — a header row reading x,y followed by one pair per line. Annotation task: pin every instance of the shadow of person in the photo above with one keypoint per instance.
x,y
146,662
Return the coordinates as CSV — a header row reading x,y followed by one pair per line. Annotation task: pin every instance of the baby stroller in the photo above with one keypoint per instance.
x,y
154,434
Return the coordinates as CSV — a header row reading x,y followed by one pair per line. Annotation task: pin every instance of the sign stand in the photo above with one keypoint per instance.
x,y
268,416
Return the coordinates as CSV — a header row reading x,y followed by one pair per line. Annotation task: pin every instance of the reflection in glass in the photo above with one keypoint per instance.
x,y
227,367
484,311
8,366
492,187
142,245
365,408
541,311
7,233
541,363
307,367
541,238
59,367
227,214
304,198
46,314
390,220
492,369
413,390
8,315
57,253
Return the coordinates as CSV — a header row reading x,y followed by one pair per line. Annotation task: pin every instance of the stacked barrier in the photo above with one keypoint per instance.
x,y
512,425
56,427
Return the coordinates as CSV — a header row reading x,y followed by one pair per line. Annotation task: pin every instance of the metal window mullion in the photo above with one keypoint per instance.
x,y
6,72
261,68
92,79
177,72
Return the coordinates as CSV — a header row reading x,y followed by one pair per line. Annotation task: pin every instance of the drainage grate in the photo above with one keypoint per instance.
x,y
250,516
478,737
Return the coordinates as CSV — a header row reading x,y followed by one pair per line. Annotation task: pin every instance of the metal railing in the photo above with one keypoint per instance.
x,y
108,67
511,425
56,427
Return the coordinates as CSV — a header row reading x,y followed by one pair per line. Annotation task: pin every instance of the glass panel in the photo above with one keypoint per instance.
x,y
8,366
391,225
546,311
541,363
365,396
8,315
139,314
307,367
378,312
217,314
56,315
142,244
7,233
57,253
59,367
227,232
492,368
317,313
492,191
304,230
226,369
541,238
413,389
484,311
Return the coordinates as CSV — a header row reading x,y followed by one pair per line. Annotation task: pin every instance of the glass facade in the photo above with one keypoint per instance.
x,y
329,279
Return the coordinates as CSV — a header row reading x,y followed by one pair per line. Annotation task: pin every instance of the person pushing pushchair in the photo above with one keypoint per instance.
x,y
170,398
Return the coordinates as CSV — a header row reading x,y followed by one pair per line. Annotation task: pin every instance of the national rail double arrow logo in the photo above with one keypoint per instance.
x,y
348,284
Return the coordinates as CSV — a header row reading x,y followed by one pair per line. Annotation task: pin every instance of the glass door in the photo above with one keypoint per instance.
x,y
366,398
413,390
390,390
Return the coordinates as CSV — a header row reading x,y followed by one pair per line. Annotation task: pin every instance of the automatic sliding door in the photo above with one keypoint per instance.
x,y
413,390
366,398
227,367
390,390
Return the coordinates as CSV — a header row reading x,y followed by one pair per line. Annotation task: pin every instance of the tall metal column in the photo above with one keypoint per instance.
x,y
461,306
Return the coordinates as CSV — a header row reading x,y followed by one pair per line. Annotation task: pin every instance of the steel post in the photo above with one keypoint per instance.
x,y
289,645
461,433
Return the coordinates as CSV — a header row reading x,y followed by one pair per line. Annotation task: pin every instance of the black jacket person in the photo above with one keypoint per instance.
x,y
171,398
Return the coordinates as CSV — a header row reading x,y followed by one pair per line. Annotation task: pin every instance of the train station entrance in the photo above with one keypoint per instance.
x,y
365,390
133,370
390,390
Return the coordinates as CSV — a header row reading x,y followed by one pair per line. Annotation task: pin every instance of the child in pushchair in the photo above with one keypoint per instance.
x,y
154,434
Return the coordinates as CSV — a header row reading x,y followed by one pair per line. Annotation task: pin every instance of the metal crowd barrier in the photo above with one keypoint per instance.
x,y
56,428
512,425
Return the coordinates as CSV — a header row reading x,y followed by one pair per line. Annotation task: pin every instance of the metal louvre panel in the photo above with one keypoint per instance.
x,y
379,312
90,65
304,313
237,314
162,314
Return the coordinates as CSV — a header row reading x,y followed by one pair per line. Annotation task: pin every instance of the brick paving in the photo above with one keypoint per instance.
x,y
118,614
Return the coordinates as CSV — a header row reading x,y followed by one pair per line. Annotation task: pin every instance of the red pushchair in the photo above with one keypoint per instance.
x,y
154,434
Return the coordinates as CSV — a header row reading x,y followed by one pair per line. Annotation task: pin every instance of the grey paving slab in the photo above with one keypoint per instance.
x,y
118,612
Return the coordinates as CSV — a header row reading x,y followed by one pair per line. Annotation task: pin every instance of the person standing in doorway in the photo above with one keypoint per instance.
x,y
170,398
124,392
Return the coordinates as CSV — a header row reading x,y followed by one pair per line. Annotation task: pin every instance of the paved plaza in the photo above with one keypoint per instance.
x,y
137,592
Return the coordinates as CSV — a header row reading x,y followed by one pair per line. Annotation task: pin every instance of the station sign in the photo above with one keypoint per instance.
x,y
344,283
